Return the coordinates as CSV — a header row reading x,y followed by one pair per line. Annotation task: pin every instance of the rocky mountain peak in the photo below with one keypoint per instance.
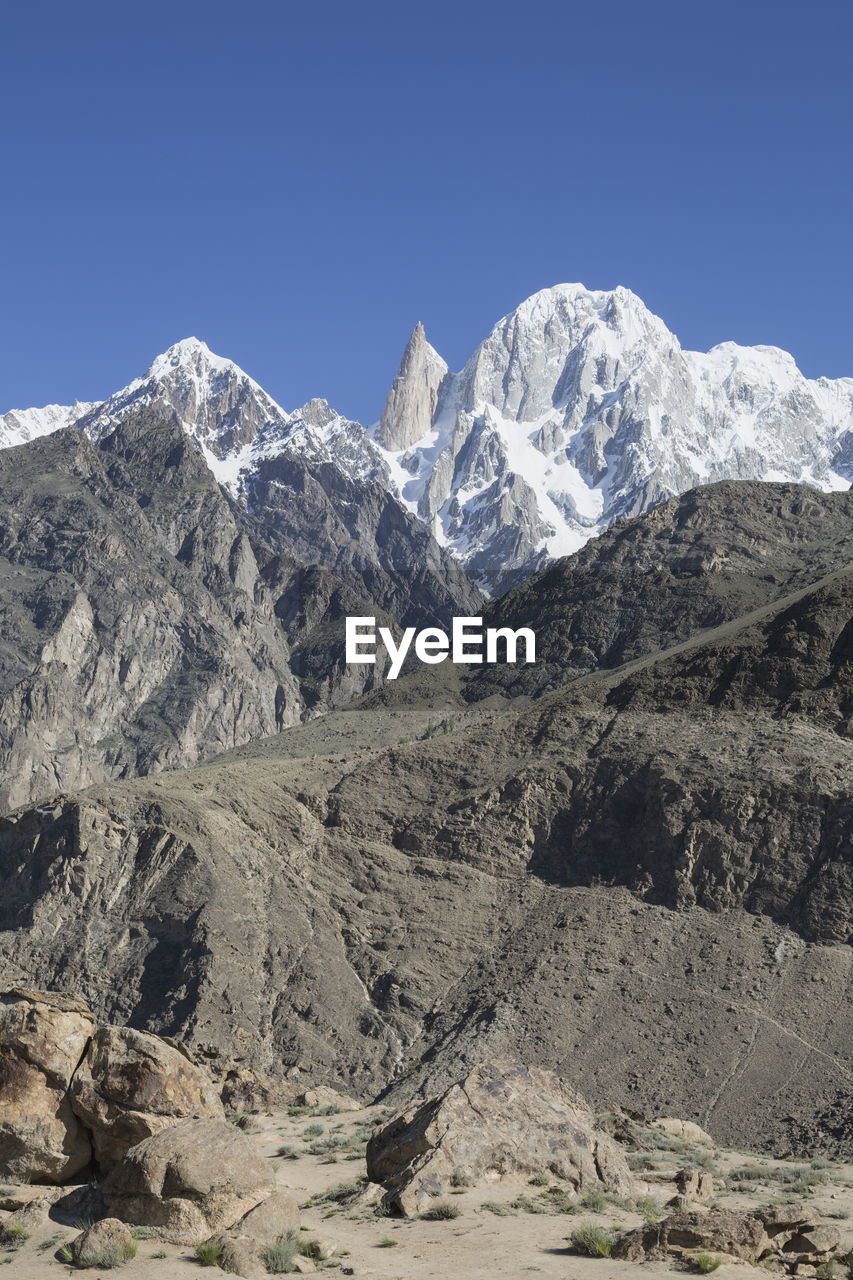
x,y
580,408
413,398
189,353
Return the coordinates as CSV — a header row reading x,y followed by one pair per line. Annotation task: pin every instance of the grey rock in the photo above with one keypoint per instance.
x,y
130,1085
190,1181
502,1120
106,1244
42,1037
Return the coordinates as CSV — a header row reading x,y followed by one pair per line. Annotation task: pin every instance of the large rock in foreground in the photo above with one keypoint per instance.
x,y
42,1038
132,1084
504,1119
189,1181
795,1234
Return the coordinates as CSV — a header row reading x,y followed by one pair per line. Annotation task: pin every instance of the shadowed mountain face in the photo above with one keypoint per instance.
x,y
146,624
643,879
692,563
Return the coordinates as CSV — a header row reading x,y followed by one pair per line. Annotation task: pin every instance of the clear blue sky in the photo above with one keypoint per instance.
x,y
298,184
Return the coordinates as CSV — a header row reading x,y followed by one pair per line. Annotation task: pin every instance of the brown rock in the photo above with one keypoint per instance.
x,y
243,1244
503,1119
739,1234
190,1181
322,1097
42,1037
247,1090
35,1213
240,1256
108,1238
795,1233
16,1198
693,1184
272,1218
684,1129
132,1084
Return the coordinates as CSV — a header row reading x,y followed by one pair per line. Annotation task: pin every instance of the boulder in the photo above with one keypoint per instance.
x,y
247,1090
684,1129
43,1036
132,1084
273,1217
503,1120
190,1181
725,1231
796,1234
242,1246
105,1244
240,1256
692,1183
799,1234
323,1097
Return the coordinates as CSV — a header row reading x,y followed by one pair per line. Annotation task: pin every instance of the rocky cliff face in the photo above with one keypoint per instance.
x,y
641,880
133,637
153,616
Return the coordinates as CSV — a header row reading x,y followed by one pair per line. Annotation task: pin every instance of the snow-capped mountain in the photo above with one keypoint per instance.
x,y
581,407
21,425
233,420
313,483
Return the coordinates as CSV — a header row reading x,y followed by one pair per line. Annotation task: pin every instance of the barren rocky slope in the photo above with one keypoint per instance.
x,y
147,624
695,562
642,880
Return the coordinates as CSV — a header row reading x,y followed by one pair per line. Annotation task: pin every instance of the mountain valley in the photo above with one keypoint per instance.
x,y
628,862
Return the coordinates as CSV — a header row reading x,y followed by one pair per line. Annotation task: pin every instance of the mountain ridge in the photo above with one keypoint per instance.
x,y
654,858
579,408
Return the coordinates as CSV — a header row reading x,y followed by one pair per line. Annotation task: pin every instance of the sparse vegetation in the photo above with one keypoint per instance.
x,y
595,1201
798,1178
441,1212
241,1119
13,1235
343,1192
108,1258
527,1205
650,1209
592,1241
279,1256
208,1253
287,1152
706,1263
388,1243
498,1209
540,1180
